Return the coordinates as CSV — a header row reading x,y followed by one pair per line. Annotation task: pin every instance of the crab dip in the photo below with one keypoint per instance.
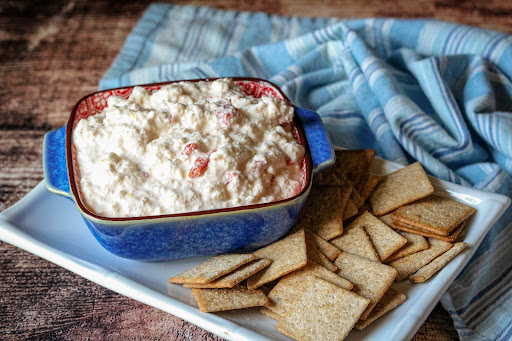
x,y
189,146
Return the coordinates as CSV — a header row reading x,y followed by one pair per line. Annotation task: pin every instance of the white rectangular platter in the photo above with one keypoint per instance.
x,y
51,227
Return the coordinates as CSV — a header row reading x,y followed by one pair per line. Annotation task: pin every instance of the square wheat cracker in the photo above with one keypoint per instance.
x,y
239,297
323,212
293,285
323,312
212,269
419,231
386,219
370,185
269,313
371,279
337,174
328,178
287,255
350,210
437,264
235,277
330,251
415,243
400,188
333,177
357,242
408,265
436,214
388,302
355,165
384,239
356,198
316,256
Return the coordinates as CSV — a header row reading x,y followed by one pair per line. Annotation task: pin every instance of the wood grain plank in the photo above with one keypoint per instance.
x,y
42,301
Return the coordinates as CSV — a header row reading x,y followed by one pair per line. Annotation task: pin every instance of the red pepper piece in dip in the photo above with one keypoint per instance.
x,y
189,148
200,165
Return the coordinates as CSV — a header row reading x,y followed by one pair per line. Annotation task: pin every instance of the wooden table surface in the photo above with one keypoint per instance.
x,y
54,52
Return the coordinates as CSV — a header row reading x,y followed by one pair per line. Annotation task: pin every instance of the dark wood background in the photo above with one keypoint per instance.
x,y
54,52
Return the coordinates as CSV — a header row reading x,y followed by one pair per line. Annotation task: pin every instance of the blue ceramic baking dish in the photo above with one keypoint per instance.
x,y
188,234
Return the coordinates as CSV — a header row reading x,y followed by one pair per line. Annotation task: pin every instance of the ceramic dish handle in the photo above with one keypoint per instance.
x,y
319,142
54,162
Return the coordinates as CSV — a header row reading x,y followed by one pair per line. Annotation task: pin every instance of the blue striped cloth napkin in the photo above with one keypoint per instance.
x,y
420,90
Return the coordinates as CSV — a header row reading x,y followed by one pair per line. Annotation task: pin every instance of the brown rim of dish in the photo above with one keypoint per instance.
x,y
84,209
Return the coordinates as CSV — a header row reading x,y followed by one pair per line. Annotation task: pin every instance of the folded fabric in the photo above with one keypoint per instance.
x,y
424,90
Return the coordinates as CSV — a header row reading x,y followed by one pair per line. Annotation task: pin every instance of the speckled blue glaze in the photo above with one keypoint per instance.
x,y
319,142
54,162
183,236
208,234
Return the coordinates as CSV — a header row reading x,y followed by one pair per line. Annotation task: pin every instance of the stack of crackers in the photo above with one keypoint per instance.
x,y
357,234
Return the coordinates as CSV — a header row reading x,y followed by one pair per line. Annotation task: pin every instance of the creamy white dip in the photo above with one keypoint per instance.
x,y
189,146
